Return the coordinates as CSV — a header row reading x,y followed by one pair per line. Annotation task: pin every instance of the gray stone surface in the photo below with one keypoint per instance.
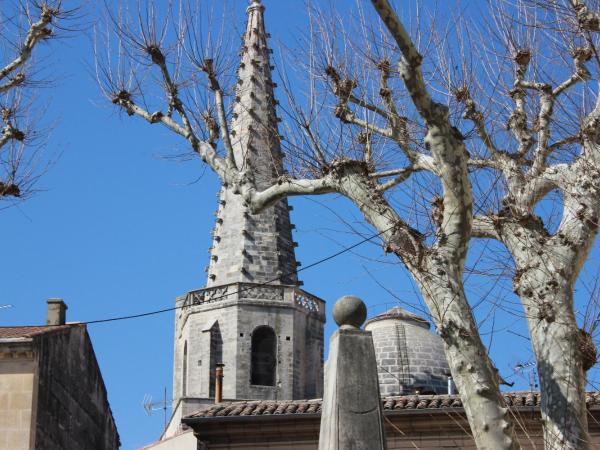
x,y
73,409
410,358
57,311
236,310
352,416
350,311
248,247
252,274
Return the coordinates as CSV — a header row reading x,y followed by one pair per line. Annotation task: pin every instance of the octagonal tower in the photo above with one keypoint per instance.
x,y
252,315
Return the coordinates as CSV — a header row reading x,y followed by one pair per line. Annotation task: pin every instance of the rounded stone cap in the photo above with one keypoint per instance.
x,y
350,311
398,313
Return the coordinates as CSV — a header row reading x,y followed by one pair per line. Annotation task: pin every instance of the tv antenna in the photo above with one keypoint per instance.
x,y
150,406
528,369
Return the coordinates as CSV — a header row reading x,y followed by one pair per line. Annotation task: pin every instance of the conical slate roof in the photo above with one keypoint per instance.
x,y
247,247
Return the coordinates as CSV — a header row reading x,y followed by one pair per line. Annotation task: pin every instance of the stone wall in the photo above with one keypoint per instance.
x,y
237,310
198,329
308,356
72,404
16,401
216,325
409,357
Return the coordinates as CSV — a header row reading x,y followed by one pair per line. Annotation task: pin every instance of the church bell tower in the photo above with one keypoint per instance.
x,y
252,315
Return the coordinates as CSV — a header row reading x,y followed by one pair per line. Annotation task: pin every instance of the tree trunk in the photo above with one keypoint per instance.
x,y
439,277
473,372
555,337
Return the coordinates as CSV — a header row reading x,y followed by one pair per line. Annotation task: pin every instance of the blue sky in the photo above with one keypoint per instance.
x,y
119,228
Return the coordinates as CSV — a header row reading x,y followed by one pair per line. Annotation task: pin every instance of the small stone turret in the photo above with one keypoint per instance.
x,y
410,358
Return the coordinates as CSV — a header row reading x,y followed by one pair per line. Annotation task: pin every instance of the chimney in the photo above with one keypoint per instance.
x,y
219,383
57,311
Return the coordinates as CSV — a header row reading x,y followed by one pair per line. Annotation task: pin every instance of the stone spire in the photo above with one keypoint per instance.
x,y
246,247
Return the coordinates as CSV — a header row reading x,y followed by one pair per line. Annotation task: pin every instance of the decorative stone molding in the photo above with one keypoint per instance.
x,y
251,291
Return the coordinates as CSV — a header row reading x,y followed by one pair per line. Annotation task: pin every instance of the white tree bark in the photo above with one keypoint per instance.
x,y
438,273
547,267
544,280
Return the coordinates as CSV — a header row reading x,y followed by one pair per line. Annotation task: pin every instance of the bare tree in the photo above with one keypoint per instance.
x,y
24,27
380,118
551,110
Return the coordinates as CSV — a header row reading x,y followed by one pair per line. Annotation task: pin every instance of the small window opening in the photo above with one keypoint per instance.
x,y
263,363
216,356
184,381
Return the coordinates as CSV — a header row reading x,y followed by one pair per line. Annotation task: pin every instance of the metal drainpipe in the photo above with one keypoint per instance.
x,y
219,383
450,387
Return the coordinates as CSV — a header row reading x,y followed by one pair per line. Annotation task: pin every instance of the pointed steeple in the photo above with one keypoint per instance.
x,y
254,248
254,126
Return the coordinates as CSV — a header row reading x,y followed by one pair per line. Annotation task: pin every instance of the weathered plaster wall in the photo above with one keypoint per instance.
x,y
16,402
181,441
72,406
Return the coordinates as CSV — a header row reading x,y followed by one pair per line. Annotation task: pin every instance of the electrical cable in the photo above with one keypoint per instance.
x,y
174,308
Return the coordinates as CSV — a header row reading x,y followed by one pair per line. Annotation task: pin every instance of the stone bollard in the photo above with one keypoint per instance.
x,y
352,416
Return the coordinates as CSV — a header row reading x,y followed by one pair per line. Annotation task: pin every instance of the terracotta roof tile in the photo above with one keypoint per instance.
x,y
313,408
300,407
247,411
271,408
260,408
30,331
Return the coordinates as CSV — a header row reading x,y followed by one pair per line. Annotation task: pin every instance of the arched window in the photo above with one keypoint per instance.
x,y
216,355
264,357
185,358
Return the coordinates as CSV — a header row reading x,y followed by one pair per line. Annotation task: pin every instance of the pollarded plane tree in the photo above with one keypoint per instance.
x,y
522,91
531,95
25,26
393,125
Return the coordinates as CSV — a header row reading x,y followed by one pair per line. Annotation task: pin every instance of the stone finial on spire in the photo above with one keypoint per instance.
x,y
254,4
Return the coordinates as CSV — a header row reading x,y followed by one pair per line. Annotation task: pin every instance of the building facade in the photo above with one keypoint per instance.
x,y
52,396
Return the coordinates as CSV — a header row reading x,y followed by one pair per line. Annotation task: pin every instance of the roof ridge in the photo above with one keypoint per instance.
x,y
18,331
390,403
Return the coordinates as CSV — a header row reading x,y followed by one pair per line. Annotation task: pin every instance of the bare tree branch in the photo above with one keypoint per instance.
x,y
38,31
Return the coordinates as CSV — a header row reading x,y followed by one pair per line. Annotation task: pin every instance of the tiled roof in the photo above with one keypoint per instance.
x,y
396,403
25,332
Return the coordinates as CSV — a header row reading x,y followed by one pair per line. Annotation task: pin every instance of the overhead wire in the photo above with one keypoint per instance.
x,y
239,291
